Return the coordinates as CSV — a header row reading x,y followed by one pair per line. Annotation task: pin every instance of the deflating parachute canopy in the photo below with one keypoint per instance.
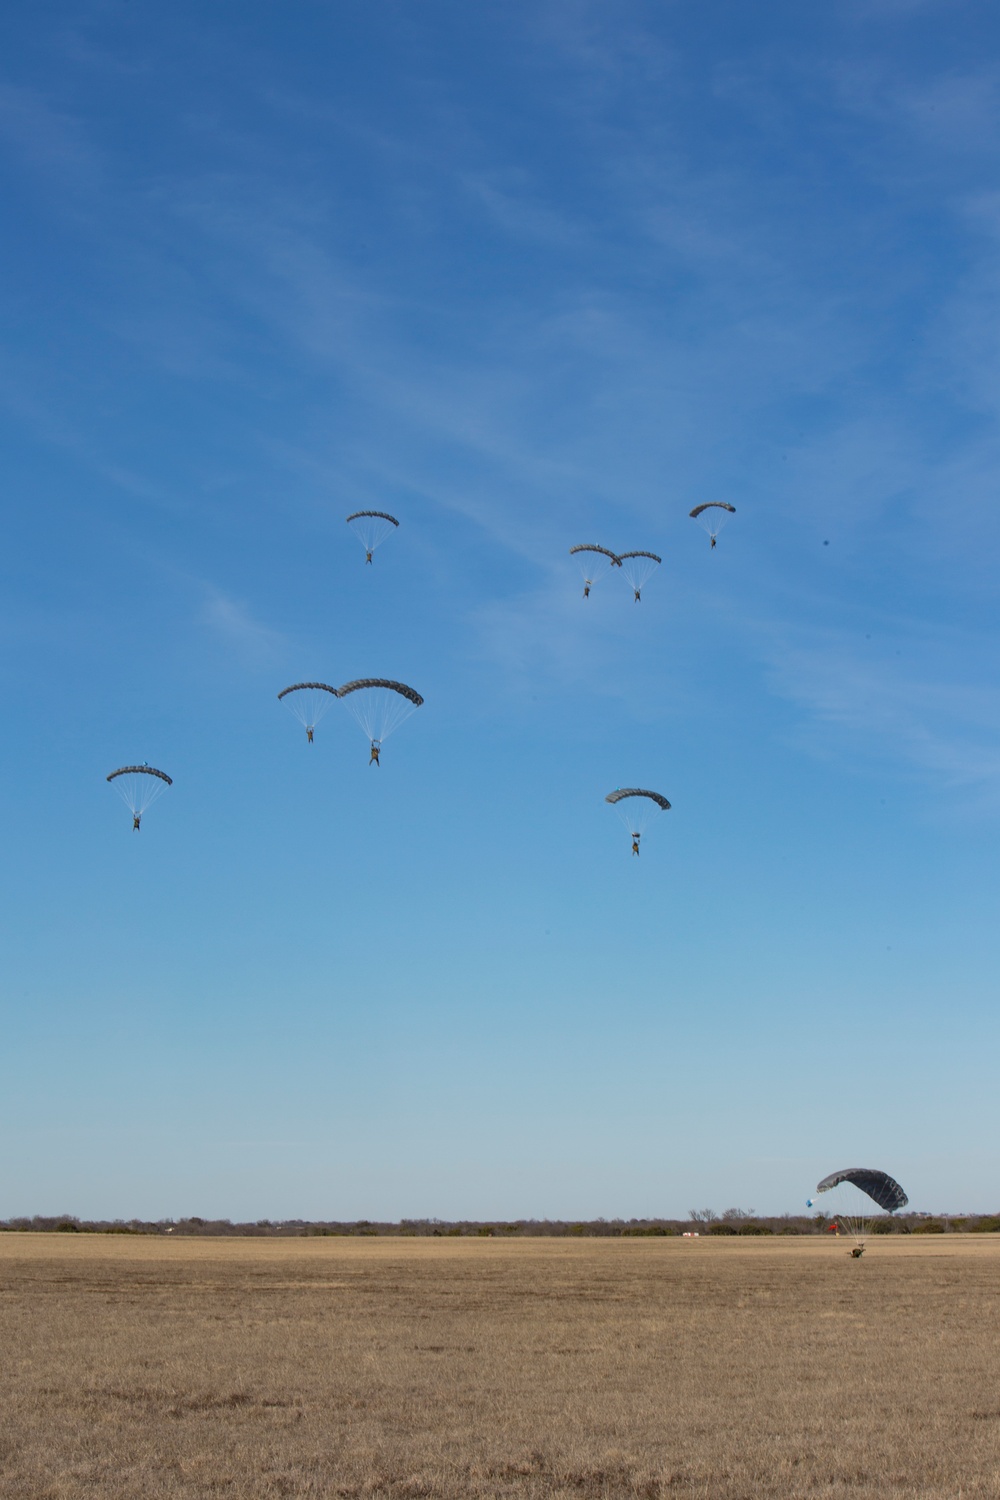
x,y
594,562
371,527
638,568
308,701
856,1195
878,1186
380,706
637,809
140,786
712,516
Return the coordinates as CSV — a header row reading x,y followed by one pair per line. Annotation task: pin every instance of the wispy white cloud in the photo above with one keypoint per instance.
x,y
51,143
233,624
860,706
521,211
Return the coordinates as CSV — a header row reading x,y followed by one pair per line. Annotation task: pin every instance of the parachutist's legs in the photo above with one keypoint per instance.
x,y
136,820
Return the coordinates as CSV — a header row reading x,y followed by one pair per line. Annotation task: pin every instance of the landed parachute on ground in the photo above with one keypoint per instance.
x,y
856,1196
380,706
712,516
308,701
594,562
637,809
638,568
371,527
140,786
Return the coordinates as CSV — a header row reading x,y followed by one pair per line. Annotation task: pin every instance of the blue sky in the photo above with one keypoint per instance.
x,y
525,275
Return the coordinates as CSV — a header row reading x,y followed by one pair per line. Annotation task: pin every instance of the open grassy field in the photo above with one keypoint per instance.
x,y
353,1367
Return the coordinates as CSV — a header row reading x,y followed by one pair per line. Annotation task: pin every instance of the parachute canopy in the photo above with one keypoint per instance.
x,y
638,567
879,1186
622,792
379,704
308,701
713,515
594,562
712,505
140,786
371,527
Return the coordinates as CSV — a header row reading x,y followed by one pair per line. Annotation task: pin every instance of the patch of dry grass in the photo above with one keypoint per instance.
x,y
405,1368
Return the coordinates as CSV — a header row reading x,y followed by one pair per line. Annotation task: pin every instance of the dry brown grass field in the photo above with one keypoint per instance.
x,y
395,1368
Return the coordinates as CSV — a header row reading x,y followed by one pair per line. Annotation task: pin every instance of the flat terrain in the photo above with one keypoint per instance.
x,y
586,1368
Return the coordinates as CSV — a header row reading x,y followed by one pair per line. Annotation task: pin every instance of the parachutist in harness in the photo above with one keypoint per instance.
x,y
713,541
638,596
309,733
857,1252
368,557
376,747
586,589
635,843
136,819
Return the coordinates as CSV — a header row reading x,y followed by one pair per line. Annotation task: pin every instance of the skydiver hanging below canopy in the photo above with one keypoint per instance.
x,y
638,567
139,786
637,808
712,516
379,705
594,562
308,701
371,527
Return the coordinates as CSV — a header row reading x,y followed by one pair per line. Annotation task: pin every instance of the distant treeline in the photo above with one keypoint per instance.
x,y
701,1222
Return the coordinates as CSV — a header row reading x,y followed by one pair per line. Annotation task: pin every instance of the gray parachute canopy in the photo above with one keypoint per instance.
x,y
634,791
314,687
712,505
142,770
593,547
624,556
381,682
372,515
879,1186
